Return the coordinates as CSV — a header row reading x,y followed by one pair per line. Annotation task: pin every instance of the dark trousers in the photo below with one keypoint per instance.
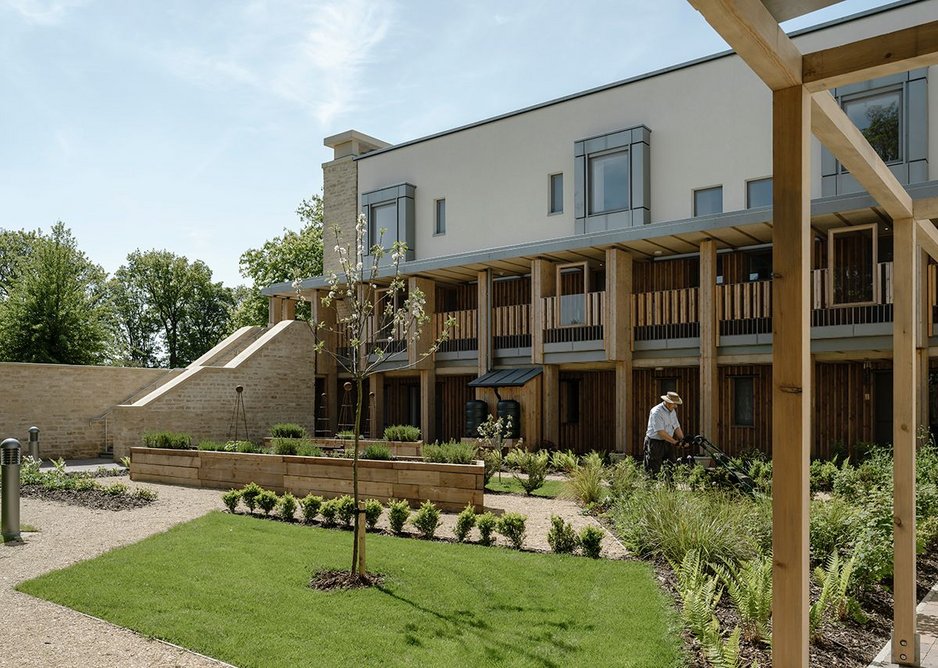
x,y
657,451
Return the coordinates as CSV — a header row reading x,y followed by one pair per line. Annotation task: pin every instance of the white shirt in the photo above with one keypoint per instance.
x,y
661,419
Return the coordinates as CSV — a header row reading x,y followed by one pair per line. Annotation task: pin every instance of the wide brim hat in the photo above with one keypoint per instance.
x,y
672,398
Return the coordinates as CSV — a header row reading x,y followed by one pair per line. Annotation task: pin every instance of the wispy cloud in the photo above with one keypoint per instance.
x,y
315,57
42,12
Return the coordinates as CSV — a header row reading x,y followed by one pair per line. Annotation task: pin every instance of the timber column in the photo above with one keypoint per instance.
x,y
484,315
544,284
709,333
326,365
905,366
617,338
791,376
418,355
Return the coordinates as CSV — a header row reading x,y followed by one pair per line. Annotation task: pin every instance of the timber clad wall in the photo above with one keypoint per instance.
x,y
736,439
587,410
648,386
65,402
452,394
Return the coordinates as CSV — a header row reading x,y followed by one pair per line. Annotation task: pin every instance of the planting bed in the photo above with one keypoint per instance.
x,y
99,499
449,486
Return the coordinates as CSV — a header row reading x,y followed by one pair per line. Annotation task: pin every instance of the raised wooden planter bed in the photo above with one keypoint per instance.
x,y
449,486
398,448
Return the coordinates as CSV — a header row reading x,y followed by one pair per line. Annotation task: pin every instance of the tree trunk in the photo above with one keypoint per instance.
x,y
356,566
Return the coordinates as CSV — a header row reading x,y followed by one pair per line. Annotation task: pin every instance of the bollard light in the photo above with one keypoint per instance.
x,y
34,442
10,451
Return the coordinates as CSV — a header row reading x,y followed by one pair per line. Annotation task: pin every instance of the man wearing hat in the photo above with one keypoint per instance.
x,y
663,432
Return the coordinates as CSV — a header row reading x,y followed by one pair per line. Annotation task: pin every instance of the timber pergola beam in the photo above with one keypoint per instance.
x,y
898,51
928,238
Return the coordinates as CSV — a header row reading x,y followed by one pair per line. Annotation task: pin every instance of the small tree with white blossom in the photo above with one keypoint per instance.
x,y
372,318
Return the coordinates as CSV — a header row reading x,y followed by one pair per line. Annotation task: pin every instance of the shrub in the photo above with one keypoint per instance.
x,y
624,478
563,460
666,522
377,451
512,527
242,446
586,484
823,474
373,510
486,523
267,501
345,435
927,534
307,449
749,586
591,539
329,509
398,513
167,439
402,432
288,430
874,547
116,489
835,525
427,519
533,470
561,537
143,493
465,520
492,458
452,452
286,507
284,446
231,499
310,504
345,508
211,446
249,494
593,458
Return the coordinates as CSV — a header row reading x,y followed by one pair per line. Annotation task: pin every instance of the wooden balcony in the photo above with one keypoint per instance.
x,y
511,326
463,335
572,318
666,314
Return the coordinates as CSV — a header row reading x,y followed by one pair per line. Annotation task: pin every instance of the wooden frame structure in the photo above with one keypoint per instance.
x,y
801,104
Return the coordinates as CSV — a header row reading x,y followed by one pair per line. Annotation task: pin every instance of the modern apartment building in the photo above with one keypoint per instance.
x,y
604,248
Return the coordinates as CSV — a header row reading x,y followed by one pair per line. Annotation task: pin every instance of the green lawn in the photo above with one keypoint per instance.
x,y
551,488
234,588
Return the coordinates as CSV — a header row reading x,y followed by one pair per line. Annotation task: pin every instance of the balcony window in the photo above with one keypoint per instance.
x,y
852,275
877,117
572,286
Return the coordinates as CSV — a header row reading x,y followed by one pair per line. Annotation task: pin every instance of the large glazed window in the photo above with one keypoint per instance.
x,y
611,183
852,266
892,113
392,210
572,286
877,117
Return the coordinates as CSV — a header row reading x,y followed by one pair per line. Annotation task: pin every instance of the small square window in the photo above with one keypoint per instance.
x,y
743,401
708,201
758,193
440,223
556,194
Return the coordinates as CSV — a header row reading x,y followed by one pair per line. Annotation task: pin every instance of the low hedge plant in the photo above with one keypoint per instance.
x,y
167,439
345,509
378,451
561,537
427,519
288,430
486,524
451,452
286,507
590,539
398,513
267,501
231,498
512,527
465,520
310,504
402,432
373,510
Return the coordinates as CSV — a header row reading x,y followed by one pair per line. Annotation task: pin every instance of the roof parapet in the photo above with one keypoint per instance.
x,y
354,143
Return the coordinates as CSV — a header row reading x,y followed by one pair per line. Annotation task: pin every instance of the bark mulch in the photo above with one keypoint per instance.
x,y
89,498
339,580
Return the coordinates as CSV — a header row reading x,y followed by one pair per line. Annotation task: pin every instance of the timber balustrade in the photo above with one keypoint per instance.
x,y
511,326
574,317
463,335
665,314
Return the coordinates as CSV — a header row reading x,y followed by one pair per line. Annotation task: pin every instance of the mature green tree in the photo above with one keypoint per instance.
x,y
285,258
15,246
54,306
136,328
188,312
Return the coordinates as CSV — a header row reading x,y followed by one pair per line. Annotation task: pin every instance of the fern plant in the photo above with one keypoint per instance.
x,y
837,578
749,587
700,594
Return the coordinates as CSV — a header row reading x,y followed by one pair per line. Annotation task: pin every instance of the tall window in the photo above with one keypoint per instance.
x,y
760,265
609,182
758,193
556,194
570,401
384,224
853,276
877,117
743,400
572,287
708,201
439,226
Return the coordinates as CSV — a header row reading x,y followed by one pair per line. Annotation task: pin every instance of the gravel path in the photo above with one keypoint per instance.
x,y
52,636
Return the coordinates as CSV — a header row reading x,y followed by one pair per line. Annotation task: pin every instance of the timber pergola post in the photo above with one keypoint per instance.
x,y
709,334
417,355
801,100
617,335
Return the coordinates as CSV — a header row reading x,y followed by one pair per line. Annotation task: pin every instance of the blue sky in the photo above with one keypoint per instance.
x,y
197,125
